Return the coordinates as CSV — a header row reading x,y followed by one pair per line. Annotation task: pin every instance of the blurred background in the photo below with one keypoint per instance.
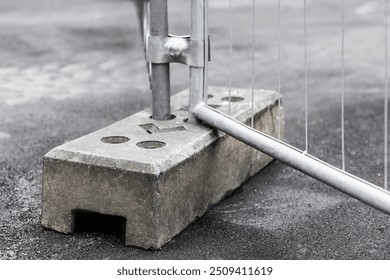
x,y
70,67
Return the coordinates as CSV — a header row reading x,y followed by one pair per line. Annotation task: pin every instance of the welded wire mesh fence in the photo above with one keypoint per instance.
x,y
266,41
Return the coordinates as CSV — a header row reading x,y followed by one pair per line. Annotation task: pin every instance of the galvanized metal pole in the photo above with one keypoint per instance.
x,y
198,80
334,177
160,72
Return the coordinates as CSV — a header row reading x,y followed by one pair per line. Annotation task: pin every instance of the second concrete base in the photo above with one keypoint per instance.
x,y
159,175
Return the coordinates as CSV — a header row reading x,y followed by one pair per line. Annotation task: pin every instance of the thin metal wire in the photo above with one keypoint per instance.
x,y
343,84
386,95
279,76
306,82
253,61
230,53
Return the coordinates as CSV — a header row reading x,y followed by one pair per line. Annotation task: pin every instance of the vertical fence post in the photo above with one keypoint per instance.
x,y
198,79
160,72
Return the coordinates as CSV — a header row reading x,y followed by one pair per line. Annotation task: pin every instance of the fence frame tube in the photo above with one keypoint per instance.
x,y
198,75
160,72
360,189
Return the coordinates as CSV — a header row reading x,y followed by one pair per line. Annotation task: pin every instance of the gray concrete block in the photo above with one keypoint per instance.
x,y
159,175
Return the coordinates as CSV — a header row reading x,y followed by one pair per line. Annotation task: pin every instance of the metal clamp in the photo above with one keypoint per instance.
x,y
181,49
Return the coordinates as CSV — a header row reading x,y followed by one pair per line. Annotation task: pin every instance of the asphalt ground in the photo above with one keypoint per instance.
x,y
68,68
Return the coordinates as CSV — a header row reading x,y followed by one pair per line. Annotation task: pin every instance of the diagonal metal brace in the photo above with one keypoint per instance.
x,y
181,49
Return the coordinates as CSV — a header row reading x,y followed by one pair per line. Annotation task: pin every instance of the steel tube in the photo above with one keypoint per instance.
x,y
198,86
362,190
160,72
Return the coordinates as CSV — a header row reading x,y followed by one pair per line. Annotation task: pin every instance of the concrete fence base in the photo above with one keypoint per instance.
x,y
159,175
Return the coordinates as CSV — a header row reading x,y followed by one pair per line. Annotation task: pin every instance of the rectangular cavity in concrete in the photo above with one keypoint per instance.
x,y
159,175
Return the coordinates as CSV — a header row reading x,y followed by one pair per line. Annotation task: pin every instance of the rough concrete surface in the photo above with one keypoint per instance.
x,y
71,67
160,181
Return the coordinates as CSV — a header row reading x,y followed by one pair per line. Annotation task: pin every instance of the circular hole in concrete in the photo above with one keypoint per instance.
x,y
233,99
149,145
185,120
115,139
210,96
172,117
